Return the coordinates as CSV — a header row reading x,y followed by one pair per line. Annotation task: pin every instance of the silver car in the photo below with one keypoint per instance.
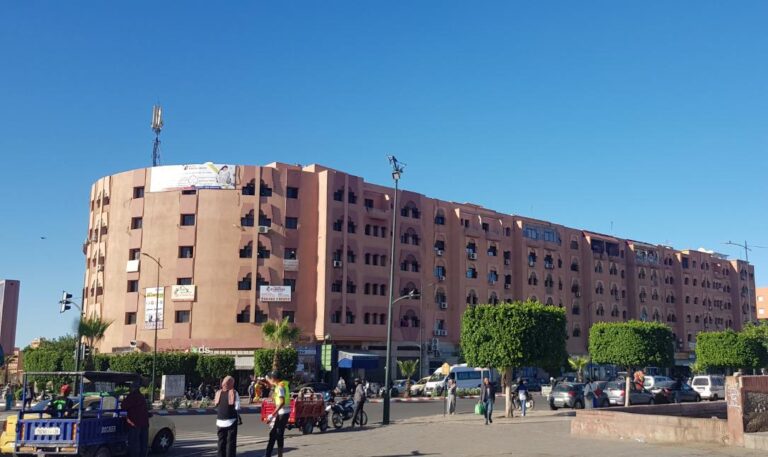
x,y
616,395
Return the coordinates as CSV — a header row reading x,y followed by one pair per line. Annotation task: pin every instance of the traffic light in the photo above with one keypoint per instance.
x,y
86,350
65,302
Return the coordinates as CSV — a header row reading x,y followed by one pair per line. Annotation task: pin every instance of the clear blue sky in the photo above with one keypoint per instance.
x,y
653,115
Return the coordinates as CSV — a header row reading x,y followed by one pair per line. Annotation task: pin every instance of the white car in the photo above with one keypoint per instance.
x,y
711,387
650,381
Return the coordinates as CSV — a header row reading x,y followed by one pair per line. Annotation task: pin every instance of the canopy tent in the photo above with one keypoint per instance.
x,y
357,360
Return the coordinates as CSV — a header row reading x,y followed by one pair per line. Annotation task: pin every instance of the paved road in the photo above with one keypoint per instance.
x,y
196,435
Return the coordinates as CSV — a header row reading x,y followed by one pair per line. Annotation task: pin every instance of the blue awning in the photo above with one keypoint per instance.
x,y
357,360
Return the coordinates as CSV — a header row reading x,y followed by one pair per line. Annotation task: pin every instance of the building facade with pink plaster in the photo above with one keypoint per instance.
x,y
226,235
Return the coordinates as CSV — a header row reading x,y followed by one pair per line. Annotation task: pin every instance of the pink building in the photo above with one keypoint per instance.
x,y
221,232
9,308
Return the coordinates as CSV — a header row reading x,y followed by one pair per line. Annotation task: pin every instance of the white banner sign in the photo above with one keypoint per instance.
x,y
275,293
183,293
197,176
154,301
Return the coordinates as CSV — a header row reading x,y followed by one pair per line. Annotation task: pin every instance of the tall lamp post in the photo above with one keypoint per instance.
x,y
157,314
397,171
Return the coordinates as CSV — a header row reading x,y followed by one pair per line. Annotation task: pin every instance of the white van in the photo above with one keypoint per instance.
x,y
466,378
709,386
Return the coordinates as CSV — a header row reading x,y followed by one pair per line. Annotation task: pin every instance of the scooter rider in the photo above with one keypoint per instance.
x,y
279,418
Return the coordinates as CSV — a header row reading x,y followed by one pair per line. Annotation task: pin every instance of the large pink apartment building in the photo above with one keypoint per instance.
x,y
221,232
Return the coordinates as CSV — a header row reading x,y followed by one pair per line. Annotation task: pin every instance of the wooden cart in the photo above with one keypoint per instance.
x,y
307,412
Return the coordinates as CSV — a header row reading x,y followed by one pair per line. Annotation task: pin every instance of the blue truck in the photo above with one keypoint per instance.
x,y
93,424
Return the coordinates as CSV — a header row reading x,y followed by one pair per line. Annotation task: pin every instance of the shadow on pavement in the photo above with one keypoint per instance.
x,y
261,452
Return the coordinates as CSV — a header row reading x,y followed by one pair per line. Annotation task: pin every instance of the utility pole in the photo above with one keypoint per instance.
x,y
156,323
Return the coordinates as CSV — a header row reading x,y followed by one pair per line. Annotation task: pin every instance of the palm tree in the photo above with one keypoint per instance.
x,y
280,334
408,369
92,329
579,363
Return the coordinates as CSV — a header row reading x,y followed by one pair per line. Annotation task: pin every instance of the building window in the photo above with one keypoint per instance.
x,y
246,252
244,316
182,317
187,219
133,285
291,283
249,189
368,203
291,222
290,254
134,254
574,244
138,192
292,192
245,283
183,281
130,318
265,190
290,315
186,252
136,223
188,192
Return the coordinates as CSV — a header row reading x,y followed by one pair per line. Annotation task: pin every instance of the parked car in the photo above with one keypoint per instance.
x,y
317,387
398,387
567,395
617,394
650,381
711,387
417,389
534,385
675,392
466,378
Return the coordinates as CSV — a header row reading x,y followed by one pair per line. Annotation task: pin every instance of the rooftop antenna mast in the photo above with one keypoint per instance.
x,y
157,126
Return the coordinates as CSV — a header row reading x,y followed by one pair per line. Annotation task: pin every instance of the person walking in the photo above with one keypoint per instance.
x,y
522,395
488,397
251,391
589,394
450,399
8,393
341,386
137,418
29,394
278,420
227,404
359,398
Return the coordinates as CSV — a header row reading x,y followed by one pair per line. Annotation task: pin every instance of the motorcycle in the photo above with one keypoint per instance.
x,y
343,411
529,403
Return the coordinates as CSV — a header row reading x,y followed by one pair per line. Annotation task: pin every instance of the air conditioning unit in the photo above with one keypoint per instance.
x,y
507,286
473,256
439,252
263,229
443,305
442,332
491,281
441,278
337,264
507,261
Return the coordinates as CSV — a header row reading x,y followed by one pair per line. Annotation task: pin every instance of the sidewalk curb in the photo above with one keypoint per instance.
x,y
202,411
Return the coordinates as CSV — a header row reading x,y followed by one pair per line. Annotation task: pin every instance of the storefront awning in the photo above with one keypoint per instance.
x,y
357,360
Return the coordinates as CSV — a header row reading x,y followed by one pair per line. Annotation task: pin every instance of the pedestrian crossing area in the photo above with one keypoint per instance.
x,y
204,443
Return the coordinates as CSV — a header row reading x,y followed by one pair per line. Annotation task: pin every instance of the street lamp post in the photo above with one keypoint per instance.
x,y
157,303
397,171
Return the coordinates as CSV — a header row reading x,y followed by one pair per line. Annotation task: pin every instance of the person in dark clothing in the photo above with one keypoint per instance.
x,y
488,397
137,418
359,398
278,420
227,403
29,395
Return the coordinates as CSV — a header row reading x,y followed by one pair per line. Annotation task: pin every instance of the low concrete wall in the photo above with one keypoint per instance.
x,y
650,424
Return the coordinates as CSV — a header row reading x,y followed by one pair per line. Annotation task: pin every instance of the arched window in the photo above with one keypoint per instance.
x,y
576,332
472,298
532,280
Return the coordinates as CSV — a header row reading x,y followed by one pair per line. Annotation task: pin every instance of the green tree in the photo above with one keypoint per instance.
x,y
408,369
632,344
213,368
280,334
92,329
730,350
579,363
513,335
288,359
